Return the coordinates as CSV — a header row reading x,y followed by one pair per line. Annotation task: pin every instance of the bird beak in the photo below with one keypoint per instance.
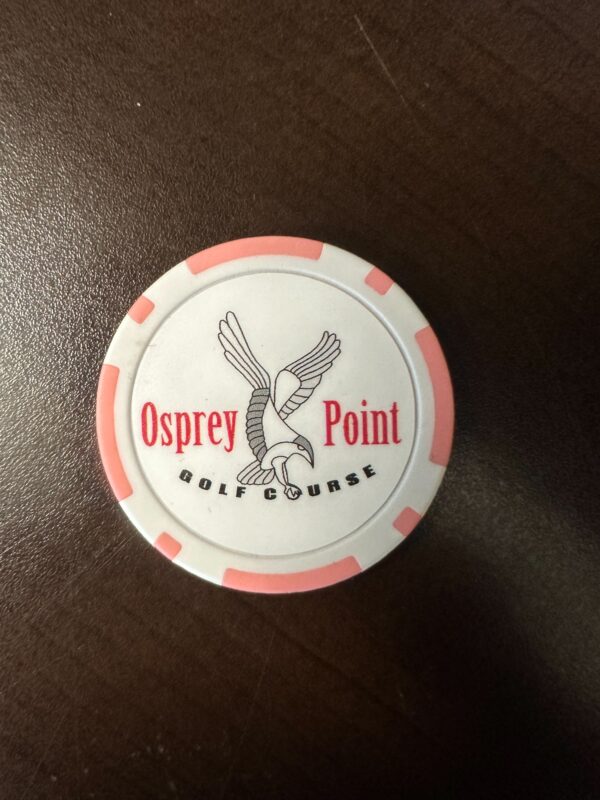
x,y
305,450
307,456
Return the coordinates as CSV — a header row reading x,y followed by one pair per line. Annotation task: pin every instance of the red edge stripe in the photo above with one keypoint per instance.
x,y
141,309
255,246
105,428
407,520
293,582
442,394
167,545
379,281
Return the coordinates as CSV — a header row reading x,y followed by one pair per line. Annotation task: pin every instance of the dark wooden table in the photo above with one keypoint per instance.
x,y
455,144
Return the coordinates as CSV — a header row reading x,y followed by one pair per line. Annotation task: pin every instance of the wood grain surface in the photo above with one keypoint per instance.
x,y
455,145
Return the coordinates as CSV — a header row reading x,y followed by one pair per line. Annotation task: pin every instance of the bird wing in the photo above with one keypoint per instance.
x,y
296,382
238,352
255,431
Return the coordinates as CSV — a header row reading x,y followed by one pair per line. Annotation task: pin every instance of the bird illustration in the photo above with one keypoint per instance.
x,y
272,441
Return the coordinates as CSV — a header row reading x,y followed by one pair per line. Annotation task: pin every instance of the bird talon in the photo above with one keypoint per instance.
x,y
292,492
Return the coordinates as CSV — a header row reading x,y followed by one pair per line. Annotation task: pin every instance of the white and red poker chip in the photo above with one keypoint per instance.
x,y
274,414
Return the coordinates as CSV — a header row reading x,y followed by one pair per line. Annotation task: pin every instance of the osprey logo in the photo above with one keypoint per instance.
x,y
272,441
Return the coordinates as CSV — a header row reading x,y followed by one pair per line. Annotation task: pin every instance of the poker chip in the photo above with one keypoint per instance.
x,y
274,414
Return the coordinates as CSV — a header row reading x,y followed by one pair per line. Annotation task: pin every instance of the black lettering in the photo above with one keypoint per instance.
x,y
223,489
352,479
240,491
314,489
205,483
270,494
333,486
185,475
369,471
